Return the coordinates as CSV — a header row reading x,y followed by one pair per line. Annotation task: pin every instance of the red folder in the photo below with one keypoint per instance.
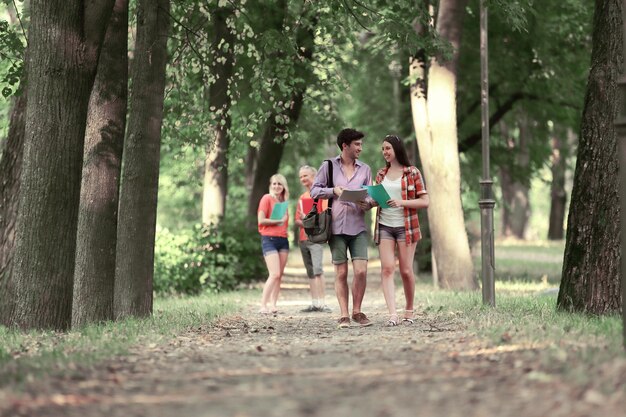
x,y
307,205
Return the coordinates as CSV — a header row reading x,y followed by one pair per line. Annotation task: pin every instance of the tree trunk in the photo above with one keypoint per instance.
x,y
418,93
59,84
140,175
251,161
438,144
10,170
516,202
591,266
271,152
273,141
216,162
94,276
558,195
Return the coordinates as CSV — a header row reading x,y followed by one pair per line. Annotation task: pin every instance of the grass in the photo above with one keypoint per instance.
x,y
525,316
26,355
535,261
579,347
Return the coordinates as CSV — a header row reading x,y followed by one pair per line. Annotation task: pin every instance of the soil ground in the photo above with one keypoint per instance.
x,y
300,364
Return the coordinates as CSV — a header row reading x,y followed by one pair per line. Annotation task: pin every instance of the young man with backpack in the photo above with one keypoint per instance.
x,y
348,223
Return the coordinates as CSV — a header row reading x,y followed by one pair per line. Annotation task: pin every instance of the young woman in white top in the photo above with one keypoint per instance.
x,y
398,225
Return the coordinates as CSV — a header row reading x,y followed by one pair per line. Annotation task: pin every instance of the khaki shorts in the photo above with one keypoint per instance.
x,y
340,244
312,255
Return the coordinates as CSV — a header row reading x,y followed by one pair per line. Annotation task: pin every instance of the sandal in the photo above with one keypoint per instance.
x,y
264,312
408,320
393,320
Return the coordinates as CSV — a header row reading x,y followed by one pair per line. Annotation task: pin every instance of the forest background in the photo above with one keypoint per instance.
x,y
251,88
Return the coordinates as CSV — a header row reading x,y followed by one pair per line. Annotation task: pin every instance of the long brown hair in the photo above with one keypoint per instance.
x,y
398,150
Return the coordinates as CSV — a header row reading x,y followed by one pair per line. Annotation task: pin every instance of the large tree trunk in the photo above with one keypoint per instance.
x,y
434,116
59,84
140,175
515,193
94,276
216,162
273,140
591,266
558,195
10,170
271,152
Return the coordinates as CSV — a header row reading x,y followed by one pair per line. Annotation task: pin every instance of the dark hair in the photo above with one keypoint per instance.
x,y
347,136
398,149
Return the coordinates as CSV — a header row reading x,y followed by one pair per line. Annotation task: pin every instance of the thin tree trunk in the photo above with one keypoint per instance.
x,y
591,265
438,144
10,170
418,93
59,85
96,236
216,162
140,174
251,161
558,195
515,194
11,154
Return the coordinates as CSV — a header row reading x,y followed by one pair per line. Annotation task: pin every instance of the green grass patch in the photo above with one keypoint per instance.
x,y
533,261
26,355
577,347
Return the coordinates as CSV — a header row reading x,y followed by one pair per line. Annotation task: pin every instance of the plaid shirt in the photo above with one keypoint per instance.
x,y
412,188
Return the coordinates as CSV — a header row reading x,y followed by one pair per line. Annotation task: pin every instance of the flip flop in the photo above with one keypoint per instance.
x,y
393,321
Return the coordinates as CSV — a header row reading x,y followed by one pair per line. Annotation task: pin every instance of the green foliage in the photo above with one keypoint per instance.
x,y
538,57
11,58
215,258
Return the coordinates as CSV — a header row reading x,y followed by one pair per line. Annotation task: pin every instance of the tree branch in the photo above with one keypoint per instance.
x,y
475,137
345,4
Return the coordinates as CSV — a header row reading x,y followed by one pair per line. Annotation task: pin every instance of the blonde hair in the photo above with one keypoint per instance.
x,y
309,168
283,181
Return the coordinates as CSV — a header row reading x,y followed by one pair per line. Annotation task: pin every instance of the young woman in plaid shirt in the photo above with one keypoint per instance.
x,y
398,225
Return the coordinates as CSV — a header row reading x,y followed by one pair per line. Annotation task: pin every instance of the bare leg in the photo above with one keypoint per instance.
x,y
321,291
272,261
341,287
359,282
405,256
386,248
282,256
313,288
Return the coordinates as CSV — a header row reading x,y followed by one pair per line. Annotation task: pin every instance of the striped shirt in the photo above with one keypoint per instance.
x,y
412,188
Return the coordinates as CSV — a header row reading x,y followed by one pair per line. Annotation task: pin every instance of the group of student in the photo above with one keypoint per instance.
x,y
396,227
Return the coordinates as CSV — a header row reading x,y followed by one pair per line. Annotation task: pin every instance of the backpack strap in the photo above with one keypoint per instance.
x,y
330,180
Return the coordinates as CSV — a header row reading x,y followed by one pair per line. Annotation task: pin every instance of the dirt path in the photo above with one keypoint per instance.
x,y
300,364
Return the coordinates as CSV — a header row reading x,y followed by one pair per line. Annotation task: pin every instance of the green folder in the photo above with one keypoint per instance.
x,y
378,193
279,210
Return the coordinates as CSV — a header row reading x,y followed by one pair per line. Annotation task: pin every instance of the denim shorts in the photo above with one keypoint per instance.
x,y
273,244
392,233
340,244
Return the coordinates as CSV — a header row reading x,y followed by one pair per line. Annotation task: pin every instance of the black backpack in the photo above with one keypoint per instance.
x,y
318,226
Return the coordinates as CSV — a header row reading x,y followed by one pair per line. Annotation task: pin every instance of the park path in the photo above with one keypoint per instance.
x,y
300,364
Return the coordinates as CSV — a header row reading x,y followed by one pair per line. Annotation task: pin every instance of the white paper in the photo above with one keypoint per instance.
x,y
353,196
